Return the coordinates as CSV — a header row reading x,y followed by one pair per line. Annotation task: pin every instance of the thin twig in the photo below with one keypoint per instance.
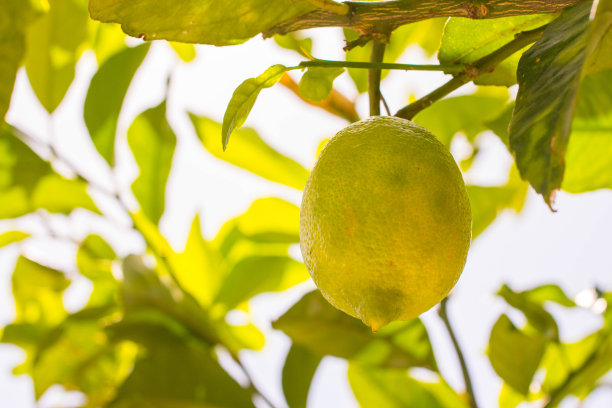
x,y
384,101
374,75
447,68
481,66
443,313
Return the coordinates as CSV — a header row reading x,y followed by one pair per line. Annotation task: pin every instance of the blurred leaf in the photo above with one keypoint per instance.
x,y
300,366
199,269
499,125
509,398
78,356
94,259
174,373
11,237
107,41
549,75
576,369
143,290
105,97
548,293
589,152
186,52
251,153
295,42
423,33
59,195
466,40
535,313
316,325
37,290
515,355
238,337
152,142
15,15
197,21
488,202
257,274
244,98
54,45
599,56
151,233
466,113
391,388
317,83
270,219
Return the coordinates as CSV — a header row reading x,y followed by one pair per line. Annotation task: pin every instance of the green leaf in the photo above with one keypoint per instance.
x,y
251,153
589,152
78,356
257,274
488,202
295,42
174,373
424,33
37,290
199,268
466,114
316,84
316,325
244,98
144,291
599,56
300,366
549,75
577,368
94,260
515,355
59,195
15,15
11,237
533,309
105,97
270,219
54,45
186,52
197,21
548,293
392,388
152,142
28,183
108,41
466,40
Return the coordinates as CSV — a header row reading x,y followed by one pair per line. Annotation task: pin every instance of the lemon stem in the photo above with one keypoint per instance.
x,y
481,66
443,313
374,75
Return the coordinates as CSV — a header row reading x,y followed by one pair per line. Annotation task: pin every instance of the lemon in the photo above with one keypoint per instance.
x,y
385,222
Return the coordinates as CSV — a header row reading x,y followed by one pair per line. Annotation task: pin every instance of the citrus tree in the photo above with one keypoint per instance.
x,y
159,328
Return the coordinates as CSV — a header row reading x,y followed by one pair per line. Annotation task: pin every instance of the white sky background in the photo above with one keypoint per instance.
x,y
570,248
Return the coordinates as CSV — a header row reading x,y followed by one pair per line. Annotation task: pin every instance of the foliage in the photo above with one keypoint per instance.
x,y
157,328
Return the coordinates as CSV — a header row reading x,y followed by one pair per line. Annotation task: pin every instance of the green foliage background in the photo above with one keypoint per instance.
x,y
158,321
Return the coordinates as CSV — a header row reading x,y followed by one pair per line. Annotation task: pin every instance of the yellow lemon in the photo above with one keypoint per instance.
x,y
385,222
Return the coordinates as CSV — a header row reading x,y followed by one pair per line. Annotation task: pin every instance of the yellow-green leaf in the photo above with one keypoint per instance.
x,y
251,153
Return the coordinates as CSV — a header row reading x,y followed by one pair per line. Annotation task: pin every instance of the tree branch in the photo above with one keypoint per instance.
x,y
443,313
481,66
374,75
372,18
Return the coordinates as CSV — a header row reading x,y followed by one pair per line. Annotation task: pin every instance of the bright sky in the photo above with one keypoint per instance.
x,y
570,247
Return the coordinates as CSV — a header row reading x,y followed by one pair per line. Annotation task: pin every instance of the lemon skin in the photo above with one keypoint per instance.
x,y
385,222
